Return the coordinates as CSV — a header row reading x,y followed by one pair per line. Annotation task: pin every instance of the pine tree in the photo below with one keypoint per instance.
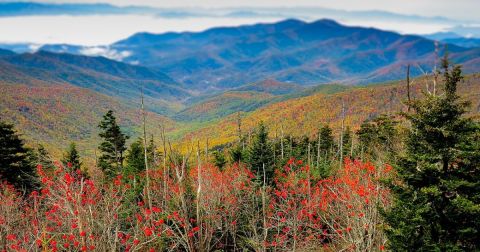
x,y
219,159
135,159
43,158
326,141
236,154
347,142
437,201
378,137
152,153
260,154
71,158
16,160
113,145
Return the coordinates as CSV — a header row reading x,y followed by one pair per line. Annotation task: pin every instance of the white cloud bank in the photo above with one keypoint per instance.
x,y
105,51
102,29
105,29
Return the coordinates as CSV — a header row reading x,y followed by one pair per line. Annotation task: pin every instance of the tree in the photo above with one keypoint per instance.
x,y
135,159
71,158
326,140
378,136
113,145
219,159
237,154
347,142
437,199
260,154
41,157
15,160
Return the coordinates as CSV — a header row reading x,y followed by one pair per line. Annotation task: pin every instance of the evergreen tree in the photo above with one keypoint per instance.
x,y
219,159
152,153
437,201
326,141
135,158
43,158
378,137
260,154
113,145
71,158
15,160
236,154
347,142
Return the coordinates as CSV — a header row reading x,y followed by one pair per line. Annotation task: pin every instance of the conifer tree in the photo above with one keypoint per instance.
x,y
152,153
71,158
260,154
135,159
41,157
326,141
378,137
15,160
236,154
437,198
113,145
219,159
347,142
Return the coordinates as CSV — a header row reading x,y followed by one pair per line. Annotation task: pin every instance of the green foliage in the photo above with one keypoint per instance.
x,y
378,137
135,158
327,143
42,157
15,160
237,154
113,145
219,159
437,200
71,158
260,155
347,142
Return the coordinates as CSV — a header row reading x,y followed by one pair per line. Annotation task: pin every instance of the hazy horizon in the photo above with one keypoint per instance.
x,y
105,28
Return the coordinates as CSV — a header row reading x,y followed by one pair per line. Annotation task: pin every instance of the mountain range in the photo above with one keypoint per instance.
x,y
99,74
305,53
194,82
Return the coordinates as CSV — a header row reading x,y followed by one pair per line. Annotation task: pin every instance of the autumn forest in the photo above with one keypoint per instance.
x,y
285,136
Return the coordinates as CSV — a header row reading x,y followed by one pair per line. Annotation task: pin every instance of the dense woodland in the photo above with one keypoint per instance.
x,y
408,181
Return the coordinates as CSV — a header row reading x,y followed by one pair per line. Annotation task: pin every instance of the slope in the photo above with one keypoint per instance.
x,y
294,51
99,74
56,115
299,116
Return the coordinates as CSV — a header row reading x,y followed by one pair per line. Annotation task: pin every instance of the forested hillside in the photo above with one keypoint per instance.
x,y
289,135
360,169
304,115
57,115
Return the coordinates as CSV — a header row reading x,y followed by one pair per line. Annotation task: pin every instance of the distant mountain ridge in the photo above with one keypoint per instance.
x,y
291,51
98,74
35,8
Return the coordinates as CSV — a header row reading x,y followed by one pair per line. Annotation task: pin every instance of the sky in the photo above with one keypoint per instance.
x,y
92,30
457,9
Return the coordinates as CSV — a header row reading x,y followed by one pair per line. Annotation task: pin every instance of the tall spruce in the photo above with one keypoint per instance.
x,y
71,158
260,153
113,145
41,157
16,166
347,142
437,198
219,159
378,138
135,159
326,141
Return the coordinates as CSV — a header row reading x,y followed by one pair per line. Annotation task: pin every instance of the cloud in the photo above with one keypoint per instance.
x,y
105,51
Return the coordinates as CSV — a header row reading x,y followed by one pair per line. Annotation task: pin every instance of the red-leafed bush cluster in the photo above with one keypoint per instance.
x,y
201,208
